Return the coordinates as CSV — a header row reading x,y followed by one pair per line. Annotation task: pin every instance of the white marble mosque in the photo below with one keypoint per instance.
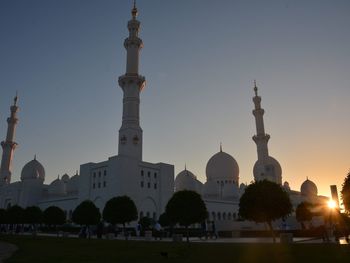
x,y
150,185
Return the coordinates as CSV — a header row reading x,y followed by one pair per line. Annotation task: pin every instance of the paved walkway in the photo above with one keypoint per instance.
x,y
6,250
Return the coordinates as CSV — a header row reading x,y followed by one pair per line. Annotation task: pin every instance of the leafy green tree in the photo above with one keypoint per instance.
x,y
120,210
345,193
164,220
15,215
264,202
86,214
145,222
33,215
303,213
3,218
186,208
54,216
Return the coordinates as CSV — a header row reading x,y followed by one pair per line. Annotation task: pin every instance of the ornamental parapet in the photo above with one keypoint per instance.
x,y
261,138
128,79
133,42
12,120
8,144
258,112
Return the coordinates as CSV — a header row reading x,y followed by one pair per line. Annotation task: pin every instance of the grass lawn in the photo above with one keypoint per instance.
x,y
52,250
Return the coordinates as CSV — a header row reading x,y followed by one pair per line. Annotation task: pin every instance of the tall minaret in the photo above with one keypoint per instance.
x,y
130,133
9,145
261,138
266,167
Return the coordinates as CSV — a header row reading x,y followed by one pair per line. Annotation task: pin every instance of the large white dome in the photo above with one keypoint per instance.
x,y
268,169
222,167
33,170
308,188
185,180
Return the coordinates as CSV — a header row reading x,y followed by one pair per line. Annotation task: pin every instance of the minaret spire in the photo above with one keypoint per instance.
x,y
9,145
261,138
266,167
134,12
130,133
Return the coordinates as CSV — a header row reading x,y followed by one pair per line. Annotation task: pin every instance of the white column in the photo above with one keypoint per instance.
x,y
130,133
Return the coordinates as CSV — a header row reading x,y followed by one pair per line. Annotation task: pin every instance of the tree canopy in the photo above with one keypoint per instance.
x,y
3,216
54,215
120,210
86,214
15,215
186,208
345,193
33,215
264,201
303,213
164,220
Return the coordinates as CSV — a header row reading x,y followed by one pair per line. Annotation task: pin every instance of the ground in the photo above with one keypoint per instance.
x,y
65,250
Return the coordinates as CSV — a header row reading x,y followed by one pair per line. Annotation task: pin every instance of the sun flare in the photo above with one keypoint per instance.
x,y
331,204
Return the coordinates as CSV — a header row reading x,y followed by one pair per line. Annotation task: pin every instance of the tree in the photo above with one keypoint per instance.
x,y
86,214
120,210
145,222
186,208
164,220
54,215
3,218
303,213
33,215
264,202
345,193
15,215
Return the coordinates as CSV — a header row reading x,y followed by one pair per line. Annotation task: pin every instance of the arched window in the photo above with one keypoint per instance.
x,y
229,217
234,215
223,216
147,214
219,216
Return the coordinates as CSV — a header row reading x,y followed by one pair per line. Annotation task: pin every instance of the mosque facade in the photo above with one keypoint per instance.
x,y
150,185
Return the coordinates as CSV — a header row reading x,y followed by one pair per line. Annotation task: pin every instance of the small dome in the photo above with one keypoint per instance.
x,y
221,167
211,189
268,169
230,191
65,178
185,180
57,187
33,170
308,188
72,184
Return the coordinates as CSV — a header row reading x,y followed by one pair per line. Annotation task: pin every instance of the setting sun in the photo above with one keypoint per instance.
x,y
331,204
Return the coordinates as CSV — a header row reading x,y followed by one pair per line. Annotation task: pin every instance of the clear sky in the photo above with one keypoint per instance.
x,y
200,59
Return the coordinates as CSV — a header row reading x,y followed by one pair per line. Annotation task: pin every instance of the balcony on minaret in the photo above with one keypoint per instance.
x,y
128,79
261,138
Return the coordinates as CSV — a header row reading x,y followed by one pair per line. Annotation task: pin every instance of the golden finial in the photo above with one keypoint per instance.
x,y
255,88
134,10
15,99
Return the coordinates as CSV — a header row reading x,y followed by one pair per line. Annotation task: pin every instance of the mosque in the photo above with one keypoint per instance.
x,y
150,185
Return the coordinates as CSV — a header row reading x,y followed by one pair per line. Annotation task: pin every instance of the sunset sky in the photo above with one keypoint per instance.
x,y
200,58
